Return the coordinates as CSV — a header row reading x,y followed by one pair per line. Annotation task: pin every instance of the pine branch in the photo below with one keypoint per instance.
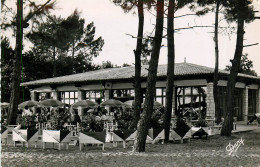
x,y
8,9
185,15
178,29
250,45
43,13
30,15
151,13
137,37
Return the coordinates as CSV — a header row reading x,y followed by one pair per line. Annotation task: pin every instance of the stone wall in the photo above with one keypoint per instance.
x,y
210,101
55,95
33,96
173,102
258,101
80,97
245,104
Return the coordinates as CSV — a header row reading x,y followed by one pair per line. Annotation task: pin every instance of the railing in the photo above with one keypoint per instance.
x,y
110,126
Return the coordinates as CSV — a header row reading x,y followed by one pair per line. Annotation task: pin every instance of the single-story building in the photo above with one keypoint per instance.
x,y
193,88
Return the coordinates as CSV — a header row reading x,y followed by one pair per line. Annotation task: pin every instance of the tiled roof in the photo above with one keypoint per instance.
x,y
181,69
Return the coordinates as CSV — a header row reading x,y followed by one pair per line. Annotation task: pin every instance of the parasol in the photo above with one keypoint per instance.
x,y
51,103
29,103
112,103
156,105
85,104
129,103
4,105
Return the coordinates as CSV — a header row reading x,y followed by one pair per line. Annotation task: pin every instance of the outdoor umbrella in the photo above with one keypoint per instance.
x,y
156,104
85,104
112,103
129,103
4,105
90,110
29,103
51,103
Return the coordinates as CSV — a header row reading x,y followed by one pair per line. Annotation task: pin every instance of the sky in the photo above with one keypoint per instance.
x,y
195,45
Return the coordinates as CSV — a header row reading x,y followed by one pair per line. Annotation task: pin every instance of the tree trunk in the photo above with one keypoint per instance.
x,y
15,92
170,69
228,122
137,85
54,62
73,52
215,83
142,127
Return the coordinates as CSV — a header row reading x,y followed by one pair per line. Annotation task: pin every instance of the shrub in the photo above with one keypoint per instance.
x,y
27,121
201,123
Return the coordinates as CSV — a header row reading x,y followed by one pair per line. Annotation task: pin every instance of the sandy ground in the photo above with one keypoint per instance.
x,y
198,153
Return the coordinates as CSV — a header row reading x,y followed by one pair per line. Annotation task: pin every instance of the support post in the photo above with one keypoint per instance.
x,y
258,101
34,98
80,97
55,95
245,104
67,146
123,144
173,102
80,146
107,96
210,101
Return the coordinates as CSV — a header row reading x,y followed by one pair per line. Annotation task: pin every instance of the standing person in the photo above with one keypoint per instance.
x,y
26,111
76,118
255,117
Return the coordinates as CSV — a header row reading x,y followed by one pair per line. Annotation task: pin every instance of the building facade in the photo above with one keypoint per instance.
x,y
193,89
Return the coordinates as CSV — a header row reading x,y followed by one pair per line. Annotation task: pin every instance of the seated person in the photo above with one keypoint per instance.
x,y
255,117
27,112
103,117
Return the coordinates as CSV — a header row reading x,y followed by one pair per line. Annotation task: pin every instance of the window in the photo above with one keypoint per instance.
x,y
69,97
251,102
123,94
238,102
95,95
191,97
43,96
160,95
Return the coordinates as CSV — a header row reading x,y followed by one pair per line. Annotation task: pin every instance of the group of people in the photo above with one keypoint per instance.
x,y
54,115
